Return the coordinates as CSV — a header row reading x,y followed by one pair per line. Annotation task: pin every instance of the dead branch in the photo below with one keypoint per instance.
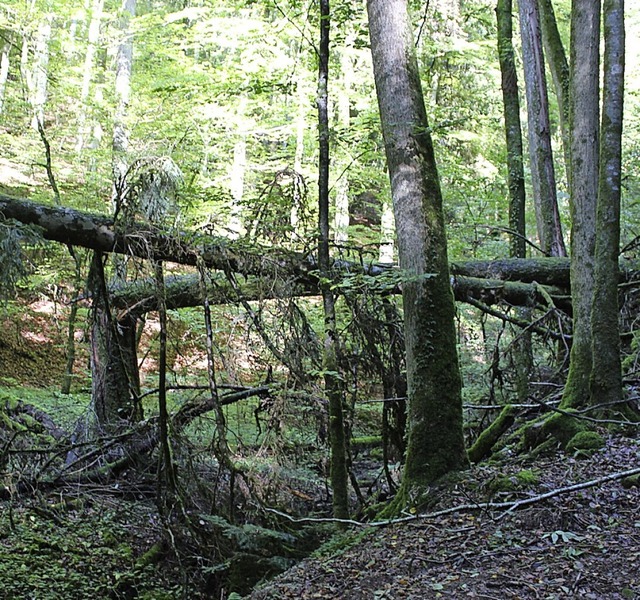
x,y
507,507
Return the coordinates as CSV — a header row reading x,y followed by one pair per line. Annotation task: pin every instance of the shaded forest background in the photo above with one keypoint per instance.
x,y
197,123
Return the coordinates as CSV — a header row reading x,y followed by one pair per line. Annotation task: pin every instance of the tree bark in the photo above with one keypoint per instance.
x,y
124,65
97,232
332,378
543,177
115,382
606,376
521,348
87,71
584,117
559,69
5,51
37,78
513,129
435,442
341,217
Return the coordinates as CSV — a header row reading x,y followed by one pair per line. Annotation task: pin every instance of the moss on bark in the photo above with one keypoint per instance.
x,y
487,439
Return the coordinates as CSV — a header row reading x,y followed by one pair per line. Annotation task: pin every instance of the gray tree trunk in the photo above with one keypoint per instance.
x,y
38,76
513,130
124,64
543,179
584,120
559,69
5,51
606,376
341,217
521,349
435,442
87,72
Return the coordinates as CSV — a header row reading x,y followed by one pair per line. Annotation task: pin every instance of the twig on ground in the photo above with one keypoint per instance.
x,y
508,507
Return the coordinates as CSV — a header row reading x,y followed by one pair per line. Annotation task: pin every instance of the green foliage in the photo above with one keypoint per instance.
x,y
151,185
50,554
15,264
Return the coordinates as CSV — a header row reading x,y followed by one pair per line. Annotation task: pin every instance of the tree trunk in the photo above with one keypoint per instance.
x,y
301,126
341,218
387,233
236,176
513,130
97,232
332,379
584,117
5,51
606,376
37,78
115,380
124,64
543,178
521,349
87,71
559,69
435,444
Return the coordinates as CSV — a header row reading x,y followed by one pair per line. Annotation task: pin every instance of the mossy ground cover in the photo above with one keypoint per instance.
x,y
81,547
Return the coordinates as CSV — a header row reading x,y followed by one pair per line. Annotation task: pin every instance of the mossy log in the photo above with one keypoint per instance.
x,y
488,438
99,232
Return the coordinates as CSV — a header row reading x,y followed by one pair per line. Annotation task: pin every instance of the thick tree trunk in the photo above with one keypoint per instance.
x,y
97,232
435,441
584,117
513,130
136,299
521,349
606,377
114,367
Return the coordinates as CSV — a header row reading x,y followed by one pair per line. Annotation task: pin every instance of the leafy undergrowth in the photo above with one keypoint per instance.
x,y
87,546
584,544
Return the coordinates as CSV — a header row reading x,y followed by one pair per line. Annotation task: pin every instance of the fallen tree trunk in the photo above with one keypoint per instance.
x,y
143,240
183,291
146,241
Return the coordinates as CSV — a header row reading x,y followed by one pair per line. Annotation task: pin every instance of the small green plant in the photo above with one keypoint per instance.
x,y
564,536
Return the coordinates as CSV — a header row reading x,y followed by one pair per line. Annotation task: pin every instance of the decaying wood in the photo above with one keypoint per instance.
x,y
513,281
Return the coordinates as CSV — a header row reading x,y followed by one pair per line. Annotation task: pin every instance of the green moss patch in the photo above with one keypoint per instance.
x,y
585,440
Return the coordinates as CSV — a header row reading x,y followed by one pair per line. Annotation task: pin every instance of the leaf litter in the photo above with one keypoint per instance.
x,y
583,544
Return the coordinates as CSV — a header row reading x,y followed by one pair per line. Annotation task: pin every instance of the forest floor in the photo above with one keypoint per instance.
x,y
583,544
93,541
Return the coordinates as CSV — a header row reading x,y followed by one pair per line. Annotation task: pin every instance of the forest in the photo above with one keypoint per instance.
x,y
312,299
